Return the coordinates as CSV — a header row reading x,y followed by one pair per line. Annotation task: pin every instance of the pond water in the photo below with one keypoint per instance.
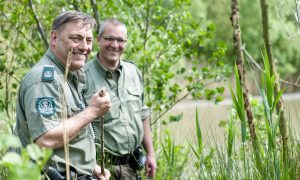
x,y
210,115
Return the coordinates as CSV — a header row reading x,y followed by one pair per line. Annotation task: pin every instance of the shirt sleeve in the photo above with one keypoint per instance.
x,y
146,112
42,107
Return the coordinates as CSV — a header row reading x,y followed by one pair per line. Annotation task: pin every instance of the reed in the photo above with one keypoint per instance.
x,y
238,159
64,114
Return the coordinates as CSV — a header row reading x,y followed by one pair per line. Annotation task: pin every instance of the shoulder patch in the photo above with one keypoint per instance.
x,y
48,74
45,106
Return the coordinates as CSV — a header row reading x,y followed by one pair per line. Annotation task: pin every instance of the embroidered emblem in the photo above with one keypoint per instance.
x,y
48,73
45,106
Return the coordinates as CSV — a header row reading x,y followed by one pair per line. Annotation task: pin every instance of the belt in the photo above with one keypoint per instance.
x,y
53,174
117,160
86,177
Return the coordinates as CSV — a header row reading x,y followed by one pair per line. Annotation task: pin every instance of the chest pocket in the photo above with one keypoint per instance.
x,y
134,99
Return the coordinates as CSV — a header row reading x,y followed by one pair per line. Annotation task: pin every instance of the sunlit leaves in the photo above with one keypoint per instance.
x,y
24,165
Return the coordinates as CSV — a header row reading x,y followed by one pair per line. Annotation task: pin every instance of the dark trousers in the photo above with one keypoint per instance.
x,y
123,172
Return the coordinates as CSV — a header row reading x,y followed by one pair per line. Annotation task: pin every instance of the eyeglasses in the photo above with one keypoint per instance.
x,y
113,39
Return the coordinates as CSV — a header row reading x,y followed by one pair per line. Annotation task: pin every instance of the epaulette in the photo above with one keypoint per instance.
x,y
48,74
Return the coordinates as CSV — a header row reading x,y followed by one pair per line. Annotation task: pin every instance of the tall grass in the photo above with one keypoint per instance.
x,y
238,159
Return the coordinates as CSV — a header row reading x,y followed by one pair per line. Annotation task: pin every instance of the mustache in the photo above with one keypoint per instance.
x,y
75,50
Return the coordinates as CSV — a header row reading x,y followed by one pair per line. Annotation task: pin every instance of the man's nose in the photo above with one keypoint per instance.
x,y
115,43
84,45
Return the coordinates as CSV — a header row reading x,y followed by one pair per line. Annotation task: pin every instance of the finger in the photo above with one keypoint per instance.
x,y
106,174
102,92
106,171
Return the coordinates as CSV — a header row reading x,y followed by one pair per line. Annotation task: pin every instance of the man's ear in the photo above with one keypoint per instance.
x,y
53,38
98,38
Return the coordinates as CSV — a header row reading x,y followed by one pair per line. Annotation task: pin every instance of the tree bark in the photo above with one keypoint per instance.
x,y
241,71
96,14
279,106
240,64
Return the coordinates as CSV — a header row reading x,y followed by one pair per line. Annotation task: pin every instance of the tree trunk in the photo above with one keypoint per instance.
x,y
279,106
241,71
96,14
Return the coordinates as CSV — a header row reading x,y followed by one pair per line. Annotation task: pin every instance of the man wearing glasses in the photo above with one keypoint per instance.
x,y
127,124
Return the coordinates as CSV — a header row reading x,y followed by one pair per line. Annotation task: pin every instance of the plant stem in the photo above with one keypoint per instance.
x,y
101,94
64,115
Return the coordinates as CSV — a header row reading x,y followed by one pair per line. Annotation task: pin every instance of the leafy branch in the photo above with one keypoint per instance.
x,y
39,24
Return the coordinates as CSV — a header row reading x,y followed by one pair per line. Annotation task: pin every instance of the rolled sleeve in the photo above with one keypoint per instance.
x,y
146,112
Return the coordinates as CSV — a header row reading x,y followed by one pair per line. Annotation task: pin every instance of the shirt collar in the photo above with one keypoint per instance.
x,y
78,74
103,70
55,60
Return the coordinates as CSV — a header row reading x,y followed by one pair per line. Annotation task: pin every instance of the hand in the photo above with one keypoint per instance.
x,y
150,166
101,102
97,172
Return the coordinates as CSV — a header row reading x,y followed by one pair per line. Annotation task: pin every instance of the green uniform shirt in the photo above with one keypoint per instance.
x,y
123,124
40,107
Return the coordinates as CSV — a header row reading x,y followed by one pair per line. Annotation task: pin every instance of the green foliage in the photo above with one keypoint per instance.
x,y
238,101
270,101
283,27
180,57
168,50
203,163
238,158
26,165
272,165
172,160
164,40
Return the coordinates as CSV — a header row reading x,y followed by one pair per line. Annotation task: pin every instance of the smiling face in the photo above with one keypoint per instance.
x,y
76,36
112,44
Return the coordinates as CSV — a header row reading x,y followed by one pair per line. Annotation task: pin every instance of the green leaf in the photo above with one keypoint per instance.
x,y
14,85
199,133
9,140
219,99
12,158
220,90
231,136
277,99
175,118
34,152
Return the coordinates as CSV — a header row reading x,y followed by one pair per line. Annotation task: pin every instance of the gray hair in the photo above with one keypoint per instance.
x,y
113,21
71,16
